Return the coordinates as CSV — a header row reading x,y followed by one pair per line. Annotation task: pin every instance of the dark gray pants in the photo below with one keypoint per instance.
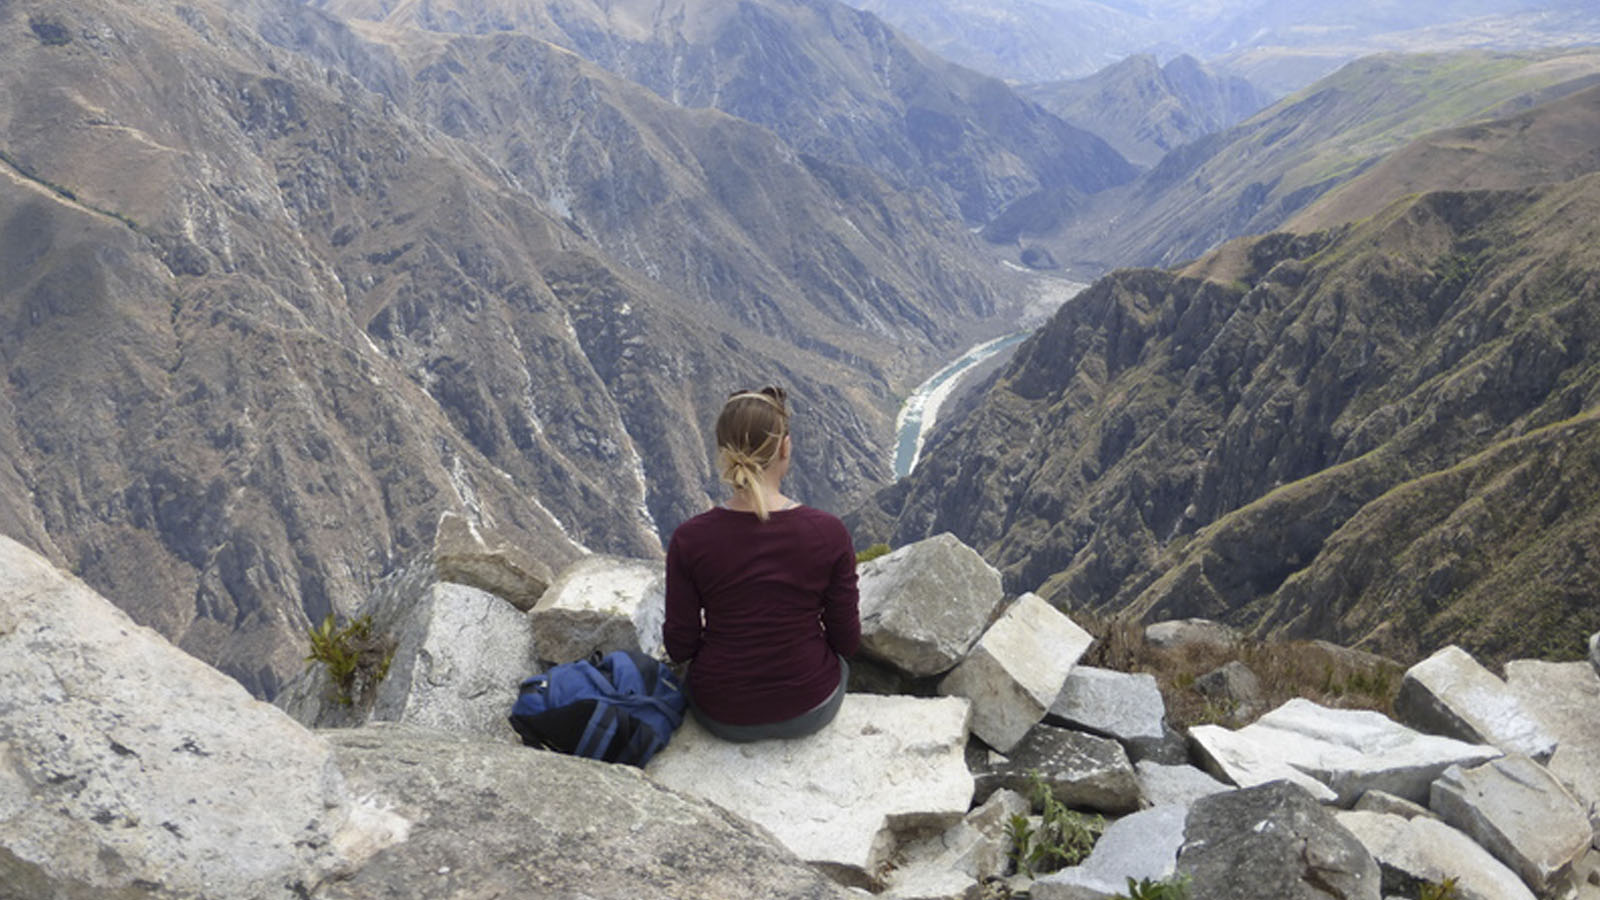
x,y
808,722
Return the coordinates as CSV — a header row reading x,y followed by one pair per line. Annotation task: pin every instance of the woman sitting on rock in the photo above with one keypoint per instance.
x,y
761,591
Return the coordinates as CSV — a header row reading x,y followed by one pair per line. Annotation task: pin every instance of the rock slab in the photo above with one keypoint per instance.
x,y
1016,670
1082,771
1334,754
1412,851
1140,846
1273,842
924,605
843,797
599,604
1565,698
1449,693
1519,812
127,765
463,554
495,820
1125,706
1165,785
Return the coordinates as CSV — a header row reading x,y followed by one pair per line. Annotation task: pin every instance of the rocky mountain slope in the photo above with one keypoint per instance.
x,y
1253,177
273,296
833,82
1368,433
1144,109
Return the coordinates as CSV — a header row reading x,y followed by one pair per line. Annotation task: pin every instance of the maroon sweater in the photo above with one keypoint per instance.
x,y
779,601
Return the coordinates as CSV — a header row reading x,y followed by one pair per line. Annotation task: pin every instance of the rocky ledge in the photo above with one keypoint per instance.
x,y
129,769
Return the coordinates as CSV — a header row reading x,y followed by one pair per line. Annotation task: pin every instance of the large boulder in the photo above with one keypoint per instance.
x,y
1273,842
1081,770
844,797
1565,698
599,604
494,820
1141,846
456,655
1016,670
128,767
463,554
1449,693
1519,812
1416,850
924,605
1334,754
1125,706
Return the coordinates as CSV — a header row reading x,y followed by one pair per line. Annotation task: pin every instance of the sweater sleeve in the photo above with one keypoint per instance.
x,y
841,615
680,630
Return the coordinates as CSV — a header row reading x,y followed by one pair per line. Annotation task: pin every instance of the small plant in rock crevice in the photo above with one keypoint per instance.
x,y
1064,837
1174,888
1443,890
356,657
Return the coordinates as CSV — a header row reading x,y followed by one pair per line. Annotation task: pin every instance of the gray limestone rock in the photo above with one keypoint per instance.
x,y
1140,846
1234,687
954,862
1414,850
1449,693
1520,813
1121,705
502,821
1376,801
1164,785
1334,754
1015,672
1565,698
462,652
1082,771
1273,842
924,605
599,604
1183,632
1594,651
128,766
844,797
464,555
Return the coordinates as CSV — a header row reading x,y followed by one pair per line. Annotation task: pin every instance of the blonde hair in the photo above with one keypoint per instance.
x,y
750,432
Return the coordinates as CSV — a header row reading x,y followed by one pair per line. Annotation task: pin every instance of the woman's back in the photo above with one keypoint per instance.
x,y
779,604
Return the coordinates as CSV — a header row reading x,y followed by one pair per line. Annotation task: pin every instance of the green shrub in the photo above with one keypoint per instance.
x,y
357,659
1064,837
873,552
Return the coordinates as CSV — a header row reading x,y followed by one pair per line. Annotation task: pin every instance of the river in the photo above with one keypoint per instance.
x,y
916,417
915,421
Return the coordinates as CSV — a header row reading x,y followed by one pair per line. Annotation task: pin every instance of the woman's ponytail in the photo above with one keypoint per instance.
x,y
750,432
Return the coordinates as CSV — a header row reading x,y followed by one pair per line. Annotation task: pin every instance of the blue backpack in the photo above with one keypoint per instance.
x,y
621,707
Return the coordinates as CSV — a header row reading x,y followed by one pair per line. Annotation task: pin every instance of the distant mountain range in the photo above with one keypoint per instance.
x,y
1380,431
1278,46
1255,176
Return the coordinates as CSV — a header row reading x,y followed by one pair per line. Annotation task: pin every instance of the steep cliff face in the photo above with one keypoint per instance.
x,y
1293,443
833,82
266,311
